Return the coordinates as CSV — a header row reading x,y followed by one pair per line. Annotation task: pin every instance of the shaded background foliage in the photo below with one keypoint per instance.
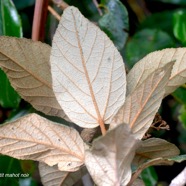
x,y
136,27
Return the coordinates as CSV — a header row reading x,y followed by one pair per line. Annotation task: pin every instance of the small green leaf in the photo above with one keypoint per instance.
x,y
180,26
144,42
149,176
115,22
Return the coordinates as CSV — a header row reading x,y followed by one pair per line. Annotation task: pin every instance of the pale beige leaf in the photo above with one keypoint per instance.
x,y
155,148
109,160
52,176
142,104
26,64
87,71
36,138
155,60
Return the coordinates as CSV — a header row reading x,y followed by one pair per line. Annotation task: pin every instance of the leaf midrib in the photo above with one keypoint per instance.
x,y
99,118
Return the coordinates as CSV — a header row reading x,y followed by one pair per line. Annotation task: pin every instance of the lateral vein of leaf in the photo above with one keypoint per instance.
x,y
110,85
32,140
145,102
73,82
79,103
99,119
36,77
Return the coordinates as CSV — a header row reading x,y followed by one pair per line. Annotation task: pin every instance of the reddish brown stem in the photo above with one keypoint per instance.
x,y
39,21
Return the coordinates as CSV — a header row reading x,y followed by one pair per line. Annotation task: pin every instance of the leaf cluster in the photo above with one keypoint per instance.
x,y
82,79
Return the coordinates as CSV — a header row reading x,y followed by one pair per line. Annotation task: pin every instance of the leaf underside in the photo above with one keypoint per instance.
x,y
36,138
154,148
155,60
142,104
109,160
26,64
52,176
87,71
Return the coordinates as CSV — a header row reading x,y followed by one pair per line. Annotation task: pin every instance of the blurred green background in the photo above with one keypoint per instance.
x,y
137,27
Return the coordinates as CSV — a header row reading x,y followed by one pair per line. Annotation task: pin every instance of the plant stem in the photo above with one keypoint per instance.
x,y
54,13
40,15
97,6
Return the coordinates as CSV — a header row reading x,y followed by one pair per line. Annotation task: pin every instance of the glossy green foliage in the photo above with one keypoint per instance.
x,y
144,42
10,21
180,26
115,22
10,25
149,176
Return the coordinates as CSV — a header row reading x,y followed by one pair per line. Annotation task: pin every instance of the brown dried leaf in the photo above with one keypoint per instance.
x,y
52,176
109,160
155,148
36,138
142,104
87,70
155,60
26,64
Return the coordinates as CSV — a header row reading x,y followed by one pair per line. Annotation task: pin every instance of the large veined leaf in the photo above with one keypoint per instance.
x,y
156,60
109,160
87,71
36,138
52,176
154,148
26,64
142,104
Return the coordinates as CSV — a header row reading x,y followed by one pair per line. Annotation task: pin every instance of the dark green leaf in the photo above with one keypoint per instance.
x,y
10,25
149,176
180,26
144,42
153,21
115,22
8,97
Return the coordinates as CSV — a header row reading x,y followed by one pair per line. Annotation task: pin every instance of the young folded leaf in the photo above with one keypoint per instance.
x,y
142,104
155,60
154,148
26,63
36,138
52,176
87,71
109,160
